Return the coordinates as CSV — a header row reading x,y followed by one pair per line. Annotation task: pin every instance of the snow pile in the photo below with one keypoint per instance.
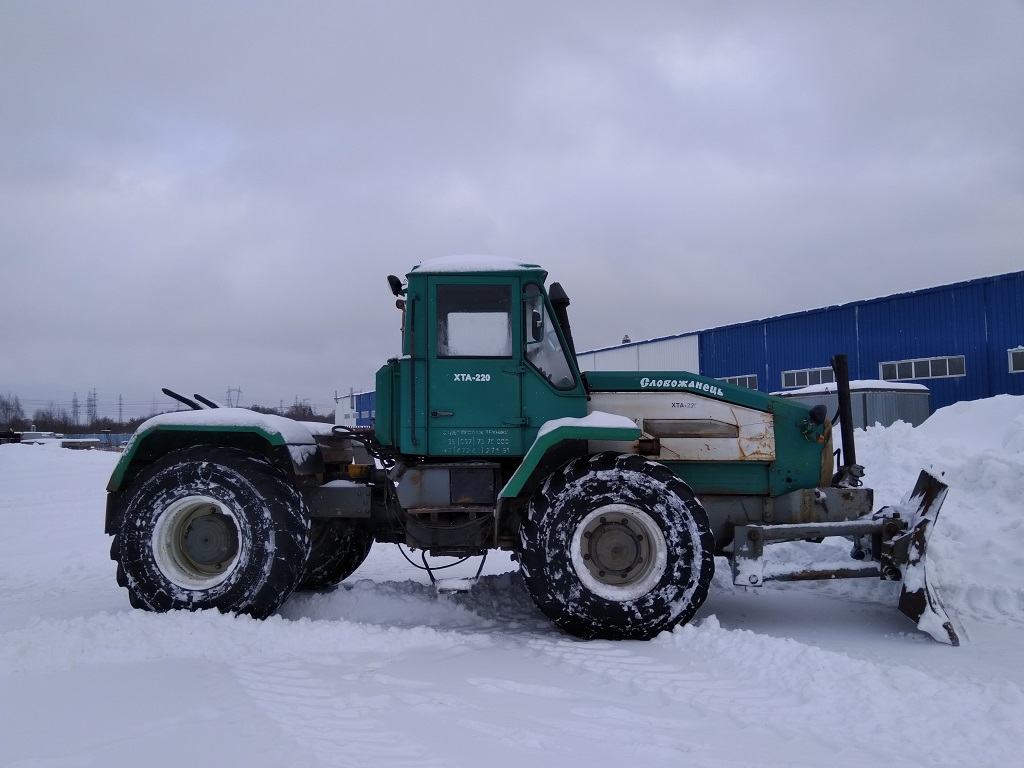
x,y
977,448
385,671
976,552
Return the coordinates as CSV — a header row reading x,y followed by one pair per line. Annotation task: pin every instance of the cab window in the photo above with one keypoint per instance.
x,y
474,321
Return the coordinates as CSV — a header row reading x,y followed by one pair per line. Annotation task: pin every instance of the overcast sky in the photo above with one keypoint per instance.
x,y
210,195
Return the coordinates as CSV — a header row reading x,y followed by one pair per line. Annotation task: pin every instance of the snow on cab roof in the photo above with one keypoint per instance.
x,y
474,263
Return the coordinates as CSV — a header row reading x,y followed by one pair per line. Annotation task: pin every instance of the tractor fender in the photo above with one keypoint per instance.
x,y
286,443
594,426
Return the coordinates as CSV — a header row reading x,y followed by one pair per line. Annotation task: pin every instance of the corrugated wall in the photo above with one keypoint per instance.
x,y
366,408
680,353
980,319
936,323
673,353
356,409
1005,301
808,340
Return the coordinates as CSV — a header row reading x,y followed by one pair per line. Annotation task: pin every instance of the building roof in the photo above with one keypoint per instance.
x,y
829,307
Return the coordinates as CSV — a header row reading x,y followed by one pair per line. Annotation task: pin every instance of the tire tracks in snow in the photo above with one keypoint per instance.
x,y
782,697
337,727
600,702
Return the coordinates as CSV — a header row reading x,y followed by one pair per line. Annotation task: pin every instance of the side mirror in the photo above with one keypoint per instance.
x,y
396,285
536,325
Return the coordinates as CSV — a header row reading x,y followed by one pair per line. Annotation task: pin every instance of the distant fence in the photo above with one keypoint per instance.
x,y
107,439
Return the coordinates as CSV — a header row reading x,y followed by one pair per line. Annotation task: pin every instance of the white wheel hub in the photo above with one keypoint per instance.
x,y
196,542
619,552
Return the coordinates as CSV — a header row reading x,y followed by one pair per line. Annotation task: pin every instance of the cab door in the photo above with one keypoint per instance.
x,y
474,368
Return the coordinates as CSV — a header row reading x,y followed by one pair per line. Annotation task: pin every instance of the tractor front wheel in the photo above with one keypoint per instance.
x,y
616,547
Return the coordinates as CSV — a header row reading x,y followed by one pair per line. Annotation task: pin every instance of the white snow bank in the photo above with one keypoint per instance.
x,y
983,426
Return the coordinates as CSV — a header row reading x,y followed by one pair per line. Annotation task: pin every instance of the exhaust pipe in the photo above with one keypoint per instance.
x,y
849,472
559,303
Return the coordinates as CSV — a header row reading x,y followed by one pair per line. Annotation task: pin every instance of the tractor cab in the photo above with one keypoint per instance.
x,y
485,361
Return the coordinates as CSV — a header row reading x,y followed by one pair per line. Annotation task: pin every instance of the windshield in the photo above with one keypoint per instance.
x,y
544,350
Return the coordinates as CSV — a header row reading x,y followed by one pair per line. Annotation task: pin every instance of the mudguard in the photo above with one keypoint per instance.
x,y
594,426
282,438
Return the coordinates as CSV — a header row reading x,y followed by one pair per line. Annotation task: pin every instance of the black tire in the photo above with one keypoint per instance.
x,y
616,547
211,527
338,548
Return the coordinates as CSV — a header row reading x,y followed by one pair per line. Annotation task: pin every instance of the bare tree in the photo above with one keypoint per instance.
x,y
52,418
11,414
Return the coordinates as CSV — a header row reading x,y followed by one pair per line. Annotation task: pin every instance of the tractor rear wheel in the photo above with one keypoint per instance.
x,y
211,527
616,547
338,548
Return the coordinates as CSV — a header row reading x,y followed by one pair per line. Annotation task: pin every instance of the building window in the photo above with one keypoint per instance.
x,y
923,368
1016,359
749,381
808,377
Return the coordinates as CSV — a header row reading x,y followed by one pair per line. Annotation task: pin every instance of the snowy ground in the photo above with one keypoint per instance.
x,y
387,672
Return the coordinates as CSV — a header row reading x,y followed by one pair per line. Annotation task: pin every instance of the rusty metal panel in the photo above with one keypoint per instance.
x,y
690,428
339,498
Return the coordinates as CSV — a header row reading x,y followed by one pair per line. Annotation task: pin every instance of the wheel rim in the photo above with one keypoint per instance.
x,y
196,542
619,552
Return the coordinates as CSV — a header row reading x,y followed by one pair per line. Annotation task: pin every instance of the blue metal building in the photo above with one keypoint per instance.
x,y
963,341
356,409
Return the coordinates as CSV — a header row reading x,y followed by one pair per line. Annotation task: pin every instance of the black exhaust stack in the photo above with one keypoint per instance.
x,y
559,302
849,472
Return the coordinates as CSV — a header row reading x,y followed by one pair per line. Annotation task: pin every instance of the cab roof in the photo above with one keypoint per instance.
x,y
474,263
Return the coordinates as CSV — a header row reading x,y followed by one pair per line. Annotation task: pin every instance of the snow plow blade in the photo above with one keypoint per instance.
x,y
917,600
890,544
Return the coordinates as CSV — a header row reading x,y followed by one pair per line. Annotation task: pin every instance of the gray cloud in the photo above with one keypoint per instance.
x,y
210,195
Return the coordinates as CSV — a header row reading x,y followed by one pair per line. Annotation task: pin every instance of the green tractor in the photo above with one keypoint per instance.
x,y
614,490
